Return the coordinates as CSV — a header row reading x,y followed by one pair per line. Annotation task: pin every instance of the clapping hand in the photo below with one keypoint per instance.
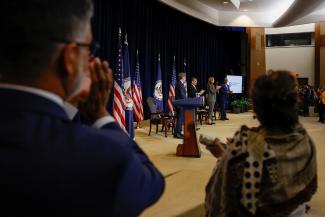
x,y
217,148
102,82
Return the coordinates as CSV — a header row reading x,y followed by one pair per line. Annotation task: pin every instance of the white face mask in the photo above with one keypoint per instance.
x,y
81,83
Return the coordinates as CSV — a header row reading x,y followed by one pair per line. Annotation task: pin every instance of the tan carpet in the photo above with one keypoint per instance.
x,y
186,177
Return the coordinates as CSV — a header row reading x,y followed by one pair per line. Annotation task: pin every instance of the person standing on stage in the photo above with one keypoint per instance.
x,y
224,92
192,91
180,93
212,96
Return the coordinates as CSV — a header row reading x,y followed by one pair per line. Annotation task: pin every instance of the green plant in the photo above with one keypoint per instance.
x,y
244,101
236,103
242,104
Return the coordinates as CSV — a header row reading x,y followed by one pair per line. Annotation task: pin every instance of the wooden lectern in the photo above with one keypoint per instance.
x,y
190,147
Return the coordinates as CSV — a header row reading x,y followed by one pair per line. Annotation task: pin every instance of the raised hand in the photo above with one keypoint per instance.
x,y
102,81
217,148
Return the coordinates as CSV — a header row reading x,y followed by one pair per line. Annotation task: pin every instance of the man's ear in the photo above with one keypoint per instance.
x,y
69,59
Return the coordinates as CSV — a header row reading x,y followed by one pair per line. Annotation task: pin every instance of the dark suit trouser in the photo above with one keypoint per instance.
x,y
223,108
180,121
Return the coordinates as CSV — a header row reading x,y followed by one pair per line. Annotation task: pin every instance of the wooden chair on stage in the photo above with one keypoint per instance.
x,y
202,114
156,118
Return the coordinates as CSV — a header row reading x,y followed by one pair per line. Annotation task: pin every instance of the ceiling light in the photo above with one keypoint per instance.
x,y
236,3
225,2
245,10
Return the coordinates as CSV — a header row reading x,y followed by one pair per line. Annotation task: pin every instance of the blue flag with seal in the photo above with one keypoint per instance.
x,y
127,91
158,95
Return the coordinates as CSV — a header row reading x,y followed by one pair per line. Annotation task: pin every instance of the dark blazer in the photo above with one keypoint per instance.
x,y
51,166
224,90
191,91
180,91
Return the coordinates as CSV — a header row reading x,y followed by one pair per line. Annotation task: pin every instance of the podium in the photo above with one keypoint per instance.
x,y
190,147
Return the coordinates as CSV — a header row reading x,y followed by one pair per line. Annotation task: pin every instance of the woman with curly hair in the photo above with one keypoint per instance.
x,y
270,170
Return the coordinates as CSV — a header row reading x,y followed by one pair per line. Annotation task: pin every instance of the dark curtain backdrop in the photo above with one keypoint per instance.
x,y
154,28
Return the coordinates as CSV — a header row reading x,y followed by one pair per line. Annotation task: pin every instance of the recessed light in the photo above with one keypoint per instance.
x,y
225,2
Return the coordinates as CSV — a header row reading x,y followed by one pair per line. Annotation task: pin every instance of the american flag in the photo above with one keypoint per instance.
x,y
171,92
137,94
119,102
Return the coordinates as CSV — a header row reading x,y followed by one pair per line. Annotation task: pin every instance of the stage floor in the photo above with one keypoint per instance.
x,y
186,177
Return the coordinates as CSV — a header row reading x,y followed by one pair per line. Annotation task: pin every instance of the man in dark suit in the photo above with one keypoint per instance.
x,y
192,90
51,166
224,95
180,93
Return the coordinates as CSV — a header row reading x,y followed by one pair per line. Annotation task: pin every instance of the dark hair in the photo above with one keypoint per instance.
x,y
275,98
30,28
194,78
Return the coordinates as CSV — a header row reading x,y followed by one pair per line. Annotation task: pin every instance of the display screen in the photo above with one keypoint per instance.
x,y
235,83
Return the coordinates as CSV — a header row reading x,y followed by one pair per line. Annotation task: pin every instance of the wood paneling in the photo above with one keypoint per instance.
x,y
317,54
322,40
256,41
322,65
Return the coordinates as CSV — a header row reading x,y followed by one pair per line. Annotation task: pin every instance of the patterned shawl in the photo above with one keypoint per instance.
x,y
264,173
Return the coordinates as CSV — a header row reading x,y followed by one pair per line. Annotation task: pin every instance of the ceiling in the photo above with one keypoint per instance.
x,y
252,13
257,5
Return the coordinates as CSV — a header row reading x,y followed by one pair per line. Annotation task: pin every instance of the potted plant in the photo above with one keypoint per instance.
x,y
236,106
244,104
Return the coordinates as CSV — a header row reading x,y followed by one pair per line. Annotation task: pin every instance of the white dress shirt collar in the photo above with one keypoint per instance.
x,y
71,110
103,121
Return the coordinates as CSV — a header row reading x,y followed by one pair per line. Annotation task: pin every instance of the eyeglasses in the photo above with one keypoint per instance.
x,y
93,46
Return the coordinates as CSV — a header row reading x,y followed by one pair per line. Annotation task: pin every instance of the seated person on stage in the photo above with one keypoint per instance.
x,y
52,166
192,91
270,170
180,93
